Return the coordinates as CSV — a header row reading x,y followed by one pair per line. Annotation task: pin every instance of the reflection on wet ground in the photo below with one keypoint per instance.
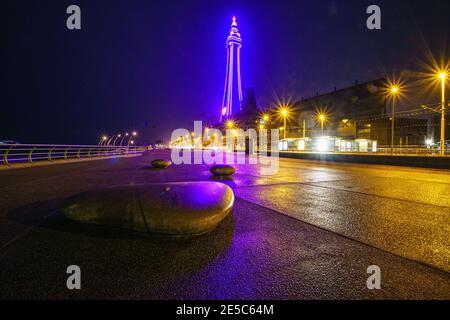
x,y
308,232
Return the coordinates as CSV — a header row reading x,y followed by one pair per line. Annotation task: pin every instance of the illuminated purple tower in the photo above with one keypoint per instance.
x,y
232,93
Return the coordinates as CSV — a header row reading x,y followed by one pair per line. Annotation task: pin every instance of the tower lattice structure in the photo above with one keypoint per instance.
x,y
232,93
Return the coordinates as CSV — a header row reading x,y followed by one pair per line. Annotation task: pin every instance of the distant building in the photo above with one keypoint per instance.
x,y
342,108
408,131
248,116
357,112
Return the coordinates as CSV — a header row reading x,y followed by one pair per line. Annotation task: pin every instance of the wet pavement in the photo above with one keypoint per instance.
x,y
308,232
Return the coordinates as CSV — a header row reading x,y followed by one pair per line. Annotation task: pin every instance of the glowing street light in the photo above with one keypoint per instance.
x,y
103,140
264,121
125,135
284,112
393,91
117,137
265,118
230,124
133,134
443,76
438,73
322,117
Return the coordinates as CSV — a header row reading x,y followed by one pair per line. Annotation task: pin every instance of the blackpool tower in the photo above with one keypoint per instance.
x,y
232,93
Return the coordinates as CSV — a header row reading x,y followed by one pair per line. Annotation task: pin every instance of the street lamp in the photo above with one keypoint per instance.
x,y
111,139
322,117
443,77
102,140
125,135
133,134
284,112
117,137
264,122
394,90
229,124
265,118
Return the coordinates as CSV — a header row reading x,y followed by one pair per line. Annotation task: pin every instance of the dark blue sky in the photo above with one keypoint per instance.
x,y
158,65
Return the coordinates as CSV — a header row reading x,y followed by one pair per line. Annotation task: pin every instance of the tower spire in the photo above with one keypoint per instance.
x,y
232,95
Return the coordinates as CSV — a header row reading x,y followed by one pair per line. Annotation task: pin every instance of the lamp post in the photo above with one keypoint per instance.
x,y
322,117
125,135
394,90
284,113
443,77
264,121
322,121
117,137
102,140
111,139
284,122
230,125
133,134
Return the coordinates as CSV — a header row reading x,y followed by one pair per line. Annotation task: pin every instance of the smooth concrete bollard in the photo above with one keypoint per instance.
x,y
161,164
223,170
172,209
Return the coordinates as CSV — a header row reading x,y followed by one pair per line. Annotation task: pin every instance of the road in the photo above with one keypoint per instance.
x,y
308,232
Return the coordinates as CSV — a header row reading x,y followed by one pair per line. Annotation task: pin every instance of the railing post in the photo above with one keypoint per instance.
x,y
78,154
5,156
50,154
30,159
65,153
89,154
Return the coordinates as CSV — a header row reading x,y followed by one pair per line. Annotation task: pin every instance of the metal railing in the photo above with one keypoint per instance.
x,y
398,151
21,153
385,151
412,151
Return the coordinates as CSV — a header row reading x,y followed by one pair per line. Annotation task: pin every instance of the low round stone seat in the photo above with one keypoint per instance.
x,y
161,164
223,170
172,209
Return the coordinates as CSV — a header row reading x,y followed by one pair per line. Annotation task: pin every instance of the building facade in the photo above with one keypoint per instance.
x,y
358,112
342,109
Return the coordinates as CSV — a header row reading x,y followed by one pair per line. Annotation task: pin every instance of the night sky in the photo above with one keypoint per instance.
x,y
155,66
